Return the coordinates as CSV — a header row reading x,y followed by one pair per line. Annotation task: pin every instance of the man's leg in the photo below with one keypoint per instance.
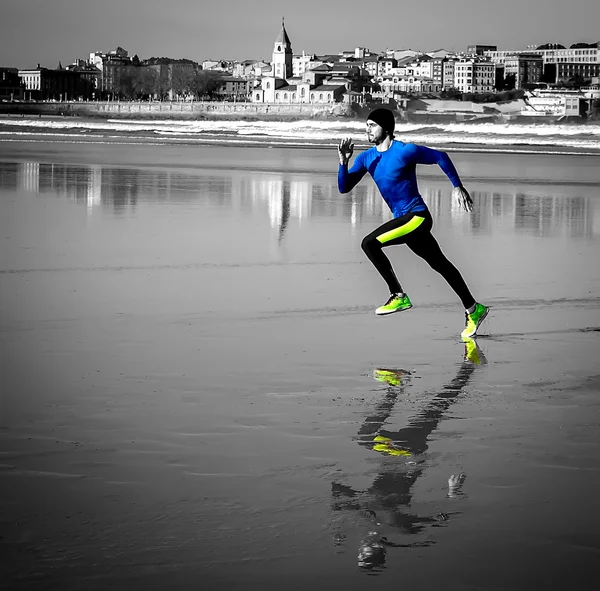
x,y
427,247
391,233
373,248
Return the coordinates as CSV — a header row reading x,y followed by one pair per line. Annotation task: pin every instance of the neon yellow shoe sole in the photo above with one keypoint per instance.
x,y
474,320
386,446
394,304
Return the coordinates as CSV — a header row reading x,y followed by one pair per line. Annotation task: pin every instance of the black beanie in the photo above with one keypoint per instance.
x,y
384,118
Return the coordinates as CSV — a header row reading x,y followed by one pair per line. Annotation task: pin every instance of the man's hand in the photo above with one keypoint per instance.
x,y
455,483
463,198
345,150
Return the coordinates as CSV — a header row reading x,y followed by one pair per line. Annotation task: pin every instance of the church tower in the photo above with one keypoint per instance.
x,y
282,55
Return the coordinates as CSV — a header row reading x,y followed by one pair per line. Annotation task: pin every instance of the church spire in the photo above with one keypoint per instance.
x,y
283,36
282,54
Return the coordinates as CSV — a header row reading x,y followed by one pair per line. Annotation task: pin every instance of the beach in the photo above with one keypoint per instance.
x,y
193,375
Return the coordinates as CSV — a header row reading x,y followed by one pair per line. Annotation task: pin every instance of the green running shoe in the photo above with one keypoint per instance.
x,y
396,303
474,320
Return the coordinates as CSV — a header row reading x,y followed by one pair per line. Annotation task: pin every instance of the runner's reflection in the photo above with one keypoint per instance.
x,y
391,491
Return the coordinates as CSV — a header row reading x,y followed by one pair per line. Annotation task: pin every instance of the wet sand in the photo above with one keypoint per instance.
x,y
188,359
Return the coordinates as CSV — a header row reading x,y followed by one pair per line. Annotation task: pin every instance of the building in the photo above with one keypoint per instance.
x,y
565,72
12,87
303,62
474,76
437,67
327,82
282,55
91,74
543,102
61,85
478,49
233,88
526,68
395,87
250,69
448,73
218,65
555,58
358,53
110,65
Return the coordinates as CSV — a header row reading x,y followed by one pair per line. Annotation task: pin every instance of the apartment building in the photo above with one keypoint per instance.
x,y
527,68
303,62
567,71
448,72
472,75
557,62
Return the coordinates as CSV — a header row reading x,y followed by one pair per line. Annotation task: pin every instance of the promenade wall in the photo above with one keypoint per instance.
x,y
176,110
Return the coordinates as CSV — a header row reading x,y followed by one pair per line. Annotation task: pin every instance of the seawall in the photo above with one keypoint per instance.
x,y
176,110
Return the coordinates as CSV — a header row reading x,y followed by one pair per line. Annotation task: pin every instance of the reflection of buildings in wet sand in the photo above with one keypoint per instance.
x,y
538,214
303,198
28,177
79,183
93,185
299,197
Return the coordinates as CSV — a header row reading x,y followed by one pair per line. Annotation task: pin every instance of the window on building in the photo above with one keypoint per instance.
x,y
285,95
268,85
257,96
276,95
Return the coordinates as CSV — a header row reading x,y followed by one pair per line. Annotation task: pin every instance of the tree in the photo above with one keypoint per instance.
x,y
144,82
577,81
182,80
551,46
205,84
451,94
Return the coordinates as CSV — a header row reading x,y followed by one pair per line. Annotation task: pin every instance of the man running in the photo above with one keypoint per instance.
x,y
392,164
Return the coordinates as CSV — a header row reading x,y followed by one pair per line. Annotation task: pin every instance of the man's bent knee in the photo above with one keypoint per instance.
x,y
369,244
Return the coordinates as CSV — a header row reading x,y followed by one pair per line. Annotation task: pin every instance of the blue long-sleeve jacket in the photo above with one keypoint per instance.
x,y
394,173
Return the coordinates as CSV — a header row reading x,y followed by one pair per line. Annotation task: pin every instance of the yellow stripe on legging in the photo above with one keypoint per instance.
x,y
403,230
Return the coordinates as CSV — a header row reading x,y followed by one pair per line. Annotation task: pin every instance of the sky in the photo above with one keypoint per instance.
x,y
52,31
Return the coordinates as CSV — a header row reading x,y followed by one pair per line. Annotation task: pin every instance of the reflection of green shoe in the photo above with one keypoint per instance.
x,y
472,351
393,377
386,445
474,320
396,303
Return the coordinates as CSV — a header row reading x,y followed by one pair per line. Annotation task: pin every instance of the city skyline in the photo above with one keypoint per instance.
x,y
66,30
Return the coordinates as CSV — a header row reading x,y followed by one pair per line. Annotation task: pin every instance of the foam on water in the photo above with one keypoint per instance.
x,y
307,132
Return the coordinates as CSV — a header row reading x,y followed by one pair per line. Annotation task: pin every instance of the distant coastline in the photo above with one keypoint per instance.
x,y
200,110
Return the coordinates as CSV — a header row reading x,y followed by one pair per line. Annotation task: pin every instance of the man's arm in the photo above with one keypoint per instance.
x,y
348,179
423,155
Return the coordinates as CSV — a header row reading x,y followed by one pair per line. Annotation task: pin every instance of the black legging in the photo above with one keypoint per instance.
x,y
414,230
